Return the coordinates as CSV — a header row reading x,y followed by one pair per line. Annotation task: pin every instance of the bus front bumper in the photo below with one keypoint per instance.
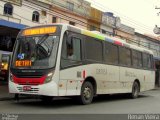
x,y
48,89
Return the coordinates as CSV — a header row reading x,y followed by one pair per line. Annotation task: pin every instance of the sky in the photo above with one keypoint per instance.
x,y
139,14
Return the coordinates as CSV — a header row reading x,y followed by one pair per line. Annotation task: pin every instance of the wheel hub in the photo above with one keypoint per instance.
x,y
87,93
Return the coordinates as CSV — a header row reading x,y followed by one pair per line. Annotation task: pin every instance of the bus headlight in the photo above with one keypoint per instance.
x,y
49,77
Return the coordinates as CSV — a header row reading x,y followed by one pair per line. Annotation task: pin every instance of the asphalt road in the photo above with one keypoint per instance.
x,y
148,102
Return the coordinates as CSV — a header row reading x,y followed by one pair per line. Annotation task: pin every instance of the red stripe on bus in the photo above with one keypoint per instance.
x,y
84,74
29,81
118,43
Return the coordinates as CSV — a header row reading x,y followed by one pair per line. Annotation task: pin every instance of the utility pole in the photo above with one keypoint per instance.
x,y
156,29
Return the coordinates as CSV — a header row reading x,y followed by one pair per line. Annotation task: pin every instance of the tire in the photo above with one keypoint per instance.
x,y
87,93
46,99
135,90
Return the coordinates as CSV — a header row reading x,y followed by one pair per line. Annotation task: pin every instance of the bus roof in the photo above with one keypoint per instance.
x,y
110,39
97,35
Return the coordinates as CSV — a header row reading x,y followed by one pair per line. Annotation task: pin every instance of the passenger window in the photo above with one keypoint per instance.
x,y
74,49
137,58
94,49
111,53
71,50
125,56
146,61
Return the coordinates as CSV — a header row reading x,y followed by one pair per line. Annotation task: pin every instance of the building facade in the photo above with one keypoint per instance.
x,y
17,14
94,20
148,42
109,23
125,32
74,12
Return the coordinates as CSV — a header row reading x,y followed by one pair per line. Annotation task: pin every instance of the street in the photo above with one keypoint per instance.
x,y
148,102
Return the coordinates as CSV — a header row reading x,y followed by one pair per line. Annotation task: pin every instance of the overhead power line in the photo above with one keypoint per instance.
x,y
138,25
51,13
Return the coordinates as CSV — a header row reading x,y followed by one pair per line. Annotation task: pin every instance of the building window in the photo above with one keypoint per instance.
x,y
54,19
72,23
35,16
92,28
70,6
8,9
104,32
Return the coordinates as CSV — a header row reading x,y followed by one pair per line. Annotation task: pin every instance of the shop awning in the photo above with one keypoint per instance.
x,y
11,24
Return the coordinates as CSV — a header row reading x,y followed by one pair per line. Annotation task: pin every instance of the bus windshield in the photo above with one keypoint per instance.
x,y
35,52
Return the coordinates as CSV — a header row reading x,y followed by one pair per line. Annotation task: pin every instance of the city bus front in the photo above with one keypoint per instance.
x,y
33,65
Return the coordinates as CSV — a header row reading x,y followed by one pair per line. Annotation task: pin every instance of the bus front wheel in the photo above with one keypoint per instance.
x,y
87,93
135,90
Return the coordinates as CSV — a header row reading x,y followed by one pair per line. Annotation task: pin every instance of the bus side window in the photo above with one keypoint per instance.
x,y
71,50
74,49
146,61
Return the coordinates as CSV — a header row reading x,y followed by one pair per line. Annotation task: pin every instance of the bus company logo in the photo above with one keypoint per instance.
x,y
20,56
27,88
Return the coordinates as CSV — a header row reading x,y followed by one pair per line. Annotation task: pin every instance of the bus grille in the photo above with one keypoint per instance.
x,y
32,90
29,81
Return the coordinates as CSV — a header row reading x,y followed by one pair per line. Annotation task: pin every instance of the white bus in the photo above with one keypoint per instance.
x,y
63,60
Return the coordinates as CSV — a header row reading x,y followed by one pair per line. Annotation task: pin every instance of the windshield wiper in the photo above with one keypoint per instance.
x,y
43,39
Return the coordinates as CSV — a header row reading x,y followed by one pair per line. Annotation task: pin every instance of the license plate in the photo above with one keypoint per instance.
x,y
27,88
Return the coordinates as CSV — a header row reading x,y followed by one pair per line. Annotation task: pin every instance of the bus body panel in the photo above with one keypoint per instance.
x,y
48,89
106,77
